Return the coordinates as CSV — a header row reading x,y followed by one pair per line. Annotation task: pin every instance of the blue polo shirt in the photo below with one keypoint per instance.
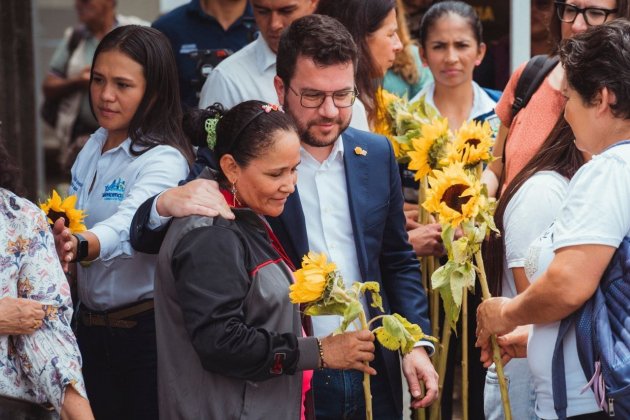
x,y
189,29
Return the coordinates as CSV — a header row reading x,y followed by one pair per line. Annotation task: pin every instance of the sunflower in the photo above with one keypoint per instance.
x,y
384,120
472,145
55,208
429,149
453,195
311,280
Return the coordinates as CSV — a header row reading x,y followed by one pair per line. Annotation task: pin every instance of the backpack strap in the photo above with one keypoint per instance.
x,y
78,34
558,377
532,77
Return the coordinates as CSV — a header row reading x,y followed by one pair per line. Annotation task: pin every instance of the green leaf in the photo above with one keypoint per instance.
x,y
351,313
457,287
321,308
460,250
441,276
448,234
374,288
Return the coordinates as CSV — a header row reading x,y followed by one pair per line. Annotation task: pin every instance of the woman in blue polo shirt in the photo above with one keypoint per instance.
x,y
138,151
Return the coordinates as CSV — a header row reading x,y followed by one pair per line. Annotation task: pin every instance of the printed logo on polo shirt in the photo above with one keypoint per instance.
x,y
115,191
75,184
187,48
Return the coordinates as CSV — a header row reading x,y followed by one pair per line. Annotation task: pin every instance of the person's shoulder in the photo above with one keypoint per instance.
x,y
243,56
131,20
172,18
163,152
372,142
428,88
15,207
544,183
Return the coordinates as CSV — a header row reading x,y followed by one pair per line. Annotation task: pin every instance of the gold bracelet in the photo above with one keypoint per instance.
x,y
322,363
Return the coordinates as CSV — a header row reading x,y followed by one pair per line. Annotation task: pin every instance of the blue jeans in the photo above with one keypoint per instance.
x,y
120,369
520,390
339,396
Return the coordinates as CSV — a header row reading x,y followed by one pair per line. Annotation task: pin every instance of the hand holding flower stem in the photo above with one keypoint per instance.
x,y
320,286
496,352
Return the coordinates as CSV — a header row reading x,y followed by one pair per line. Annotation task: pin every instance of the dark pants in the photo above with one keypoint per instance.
x,y
120,369
339,396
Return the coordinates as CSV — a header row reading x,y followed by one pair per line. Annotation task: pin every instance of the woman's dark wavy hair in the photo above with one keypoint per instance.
x,y
600,58
555,25
558,153
246,131
361,18
9,171
443,8
157,120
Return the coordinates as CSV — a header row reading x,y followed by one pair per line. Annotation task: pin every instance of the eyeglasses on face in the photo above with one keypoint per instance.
x,y
315,98
592,15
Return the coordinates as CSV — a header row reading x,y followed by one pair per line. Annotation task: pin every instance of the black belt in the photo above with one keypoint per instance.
x,y
116,318
13,408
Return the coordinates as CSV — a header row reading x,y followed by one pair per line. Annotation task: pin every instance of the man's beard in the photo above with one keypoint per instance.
x,y
307,138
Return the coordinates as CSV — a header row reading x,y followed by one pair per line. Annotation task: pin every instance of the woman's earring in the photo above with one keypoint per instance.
x,y
234,198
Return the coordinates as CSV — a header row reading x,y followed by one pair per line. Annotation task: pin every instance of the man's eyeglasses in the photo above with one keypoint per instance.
x,y
592,15
315,98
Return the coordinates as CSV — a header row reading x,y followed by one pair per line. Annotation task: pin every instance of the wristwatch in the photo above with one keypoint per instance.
x,y
82,247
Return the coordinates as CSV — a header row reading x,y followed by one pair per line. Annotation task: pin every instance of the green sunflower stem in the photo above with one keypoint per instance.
x,y
496,353
366,377
435,299
423,214
465,354
369,324
420,413
443,356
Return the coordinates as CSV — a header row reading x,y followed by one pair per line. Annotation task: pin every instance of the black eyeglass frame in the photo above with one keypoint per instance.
x,y
355,93
579,11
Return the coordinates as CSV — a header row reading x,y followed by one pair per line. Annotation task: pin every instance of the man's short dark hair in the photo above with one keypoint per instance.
x,y
322,38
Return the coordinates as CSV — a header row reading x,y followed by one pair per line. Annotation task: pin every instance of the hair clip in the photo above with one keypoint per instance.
x,y
272,107
211,131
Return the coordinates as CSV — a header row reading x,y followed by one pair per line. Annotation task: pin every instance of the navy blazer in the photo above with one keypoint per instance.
x,y
378,222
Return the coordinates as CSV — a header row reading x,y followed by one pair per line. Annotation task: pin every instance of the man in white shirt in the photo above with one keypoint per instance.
x,y
248,74
349,206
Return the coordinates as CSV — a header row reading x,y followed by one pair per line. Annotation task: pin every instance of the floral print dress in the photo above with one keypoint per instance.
x,y
35,367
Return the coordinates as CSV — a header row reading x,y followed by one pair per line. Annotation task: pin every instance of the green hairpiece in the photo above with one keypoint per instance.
x,y
211,130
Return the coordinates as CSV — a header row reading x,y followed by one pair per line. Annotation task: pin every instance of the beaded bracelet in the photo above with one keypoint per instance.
x,y
322,363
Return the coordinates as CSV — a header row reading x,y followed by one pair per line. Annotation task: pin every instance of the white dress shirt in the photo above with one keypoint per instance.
x,y
324,197
119,182
247,75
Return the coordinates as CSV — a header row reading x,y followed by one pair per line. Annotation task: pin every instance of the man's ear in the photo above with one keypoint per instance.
x,y
230,168
279,85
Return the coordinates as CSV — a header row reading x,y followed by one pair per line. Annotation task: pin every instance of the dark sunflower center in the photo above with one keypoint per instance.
x,y
451,197
54,215
473,142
